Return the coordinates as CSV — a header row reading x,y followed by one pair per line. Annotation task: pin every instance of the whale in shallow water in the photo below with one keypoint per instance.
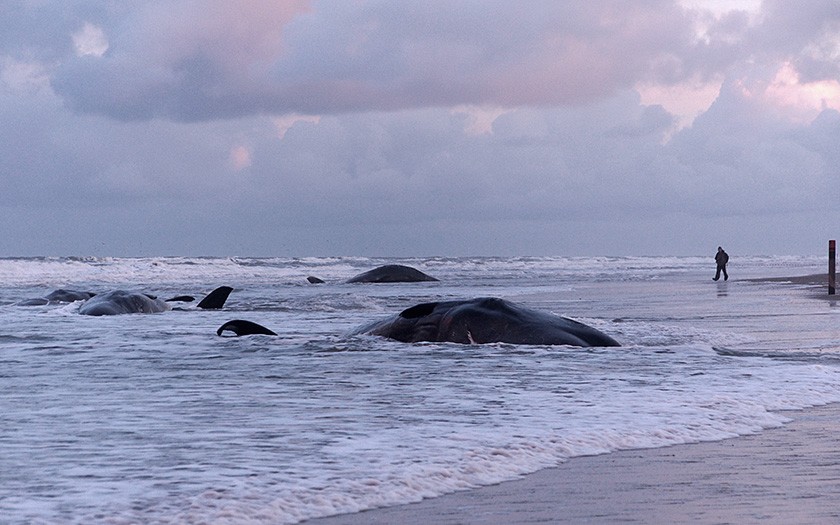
x,y
485,320
119,302
123,302
59,296
392,273
474,321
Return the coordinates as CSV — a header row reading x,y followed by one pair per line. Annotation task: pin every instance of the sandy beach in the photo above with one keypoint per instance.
x,y
789,474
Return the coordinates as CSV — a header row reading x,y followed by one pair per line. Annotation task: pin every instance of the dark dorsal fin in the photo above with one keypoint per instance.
x,y
419,310
215,300
314,280
242,327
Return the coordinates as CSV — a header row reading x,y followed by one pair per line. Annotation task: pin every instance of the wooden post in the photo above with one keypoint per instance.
x,y
832,250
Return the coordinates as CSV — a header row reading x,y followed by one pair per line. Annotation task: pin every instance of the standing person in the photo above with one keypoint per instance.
x,y
721,258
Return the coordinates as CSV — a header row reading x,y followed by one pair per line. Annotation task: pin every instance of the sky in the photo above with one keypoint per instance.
x,y
418,128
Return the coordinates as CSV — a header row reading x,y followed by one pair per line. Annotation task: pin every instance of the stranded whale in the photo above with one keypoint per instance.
x,y
124,302
485,320
474,321
59,296
392,273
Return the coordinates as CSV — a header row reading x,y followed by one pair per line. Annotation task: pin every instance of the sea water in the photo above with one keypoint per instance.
x,y
155,419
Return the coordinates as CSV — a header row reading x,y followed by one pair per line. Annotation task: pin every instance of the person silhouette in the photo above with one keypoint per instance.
x,y
721,258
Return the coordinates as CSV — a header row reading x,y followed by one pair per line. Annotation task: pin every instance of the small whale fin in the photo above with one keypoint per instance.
x,y
314,280
215,300
241,327
420,310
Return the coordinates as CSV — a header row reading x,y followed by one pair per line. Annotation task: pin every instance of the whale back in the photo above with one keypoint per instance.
x,y
59,296
391,273
68,296
122,302
485,320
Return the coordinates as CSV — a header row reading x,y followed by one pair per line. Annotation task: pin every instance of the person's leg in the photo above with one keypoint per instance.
x,y
725,275
717,274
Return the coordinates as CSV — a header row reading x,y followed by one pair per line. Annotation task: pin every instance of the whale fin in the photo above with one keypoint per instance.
x,y
241,327
420,310
215,300
314,280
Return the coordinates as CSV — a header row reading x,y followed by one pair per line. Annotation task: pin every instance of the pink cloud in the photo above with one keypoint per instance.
x,y
239,158
217,59
801,101
236,34
198,60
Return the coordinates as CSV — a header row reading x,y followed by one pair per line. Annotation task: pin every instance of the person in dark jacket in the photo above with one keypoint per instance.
x,y
721,258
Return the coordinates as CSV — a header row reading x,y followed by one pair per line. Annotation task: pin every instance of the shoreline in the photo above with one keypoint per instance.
x,y
816,279
789,474
817,284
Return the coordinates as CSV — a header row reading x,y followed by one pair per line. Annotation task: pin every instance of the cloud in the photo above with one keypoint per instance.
x,y
90,40
205,60
801,100
240,157
193,61
180,60
267,128
286,122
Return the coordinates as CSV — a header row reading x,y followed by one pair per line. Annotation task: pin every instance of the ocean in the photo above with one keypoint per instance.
x,y
155,419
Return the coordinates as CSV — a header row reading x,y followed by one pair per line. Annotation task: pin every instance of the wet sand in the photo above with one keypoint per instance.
x,y
817,283
817,279
789,474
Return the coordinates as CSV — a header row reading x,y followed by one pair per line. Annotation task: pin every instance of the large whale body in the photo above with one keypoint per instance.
x,y
485,320
126,302
391,273
474,321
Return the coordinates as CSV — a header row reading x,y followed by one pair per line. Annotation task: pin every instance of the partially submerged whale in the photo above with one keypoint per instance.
x,y
125,302
485,320
474,321
59,296
392,273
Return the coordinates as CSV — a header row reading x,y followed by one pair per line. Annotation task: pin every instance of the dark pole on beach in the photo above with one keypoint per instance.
x,y
832,250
